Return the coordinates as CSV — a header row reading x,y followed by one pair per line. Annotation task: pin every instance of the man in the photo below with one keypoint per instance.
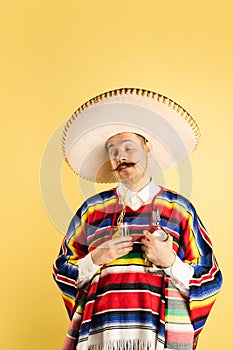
x,y
124,287
128,154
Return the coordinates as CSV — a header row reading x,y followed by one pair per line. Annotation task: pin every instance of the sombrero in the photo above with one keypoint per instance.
x,y
173,133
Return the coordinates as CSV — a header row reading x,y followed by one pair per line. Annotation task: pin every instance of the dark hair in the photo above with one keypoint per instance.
x,y
142,137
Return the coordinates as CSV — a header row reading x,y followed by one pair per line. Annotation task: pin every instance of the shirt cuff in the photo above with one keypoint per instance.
x,y
87,268
180,274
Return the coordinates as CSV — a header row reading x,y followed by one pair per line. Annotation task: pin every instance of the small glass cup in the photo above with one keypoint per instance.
x,y
124,230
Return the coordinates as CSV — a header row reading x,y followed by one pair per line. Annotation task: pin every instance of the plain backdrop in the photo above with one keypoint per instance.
x,y
55,55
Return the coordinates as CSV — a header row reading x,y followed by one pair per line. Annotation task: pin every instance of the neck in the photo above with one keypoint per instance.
x,y
137,185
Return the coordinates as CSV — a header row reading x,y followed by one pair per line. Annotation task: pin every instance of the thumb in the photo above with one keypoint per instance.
x,y
170,239
147,234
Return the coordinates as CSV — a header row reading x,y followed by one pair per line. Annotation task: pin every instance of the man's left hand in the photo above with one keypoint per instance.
x,y
158,252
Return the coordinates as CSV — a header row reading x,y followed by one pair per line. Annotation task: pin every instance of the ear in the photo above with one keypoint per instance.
x,y
148,146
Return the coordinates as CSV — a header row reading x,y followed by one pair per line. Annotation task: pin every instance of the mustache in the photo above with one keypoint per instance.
x,y
123,164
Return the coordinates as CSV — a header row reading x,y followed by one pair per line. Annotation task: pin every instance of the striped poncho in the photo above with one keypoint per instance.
x,y
124,306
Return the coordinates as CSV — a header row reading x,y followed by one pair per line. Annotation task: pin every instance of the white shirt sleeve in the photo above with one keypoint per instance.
x,y
87,269
180,274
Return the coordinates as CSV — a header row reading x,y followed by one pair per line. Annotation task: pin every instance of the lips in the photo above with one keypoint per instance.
x,y
122,167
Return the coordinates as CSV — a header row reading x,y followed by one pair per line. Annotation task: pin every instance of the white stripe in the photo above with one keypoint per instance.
x,y
131,309
123,268
128,291
59,278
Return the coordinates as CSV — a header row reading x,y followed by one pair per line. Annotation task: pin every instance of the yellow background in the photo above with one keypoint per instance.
x,y
55,55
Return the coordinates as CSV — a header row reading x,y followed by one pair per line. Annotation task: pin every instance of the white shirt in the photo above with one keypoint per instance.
x,y
180,272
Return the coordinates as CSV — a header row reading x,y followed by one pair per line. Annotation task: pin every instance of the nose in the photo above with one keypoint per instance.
x,y
121,156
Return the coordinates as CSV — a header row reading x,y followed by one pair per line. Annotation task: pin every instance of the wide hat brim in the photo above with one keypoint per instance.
x,y
172,132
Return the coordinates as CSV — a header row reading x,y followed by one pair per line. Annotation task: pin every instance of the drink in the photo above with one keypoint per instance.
x,y
124,230
159,233
156,229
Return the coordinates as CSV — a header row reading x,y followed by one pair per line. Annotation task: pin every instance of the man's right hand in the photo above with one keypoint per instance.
x,y
111,250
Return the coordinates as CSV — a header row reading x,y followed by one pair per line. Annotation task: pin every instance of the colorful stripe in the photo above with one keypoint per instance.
x,y
122,293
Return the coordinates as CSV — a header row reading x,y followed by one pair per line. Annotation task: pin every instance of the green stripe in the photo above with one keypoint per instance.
x,y
176,312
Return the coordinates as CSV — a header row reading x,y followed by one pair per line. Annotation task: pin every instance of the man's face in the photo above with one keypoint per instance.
x,y
128,155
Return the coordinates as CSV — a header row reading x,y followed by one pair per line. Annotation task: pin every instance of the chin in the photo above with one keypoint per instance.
x,y
130,178
129,175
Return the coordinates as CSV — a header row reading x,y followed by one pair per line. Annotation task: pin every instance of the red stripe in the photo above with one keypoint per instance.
x,y
184,337
118,300
201,311
66,280
130,277
205,278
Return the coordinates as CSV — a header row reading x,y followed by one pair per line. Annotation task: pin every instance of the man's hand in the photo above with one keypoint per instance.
x,y
111,250
159,253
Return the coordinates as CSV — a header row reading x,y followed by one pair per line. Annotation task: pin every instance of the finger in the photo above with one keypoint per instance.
x,y
123,251
143,248
147,234
145,242
170,238
119,245
120,239
124,245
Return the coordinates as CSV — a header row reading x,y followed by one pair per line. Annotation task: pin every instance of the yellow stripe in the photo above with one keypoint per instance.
x,y
193,261
177,319
193,245
177,206
98,206
189,218
202,303
68,299
73,260
94,242
122,261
